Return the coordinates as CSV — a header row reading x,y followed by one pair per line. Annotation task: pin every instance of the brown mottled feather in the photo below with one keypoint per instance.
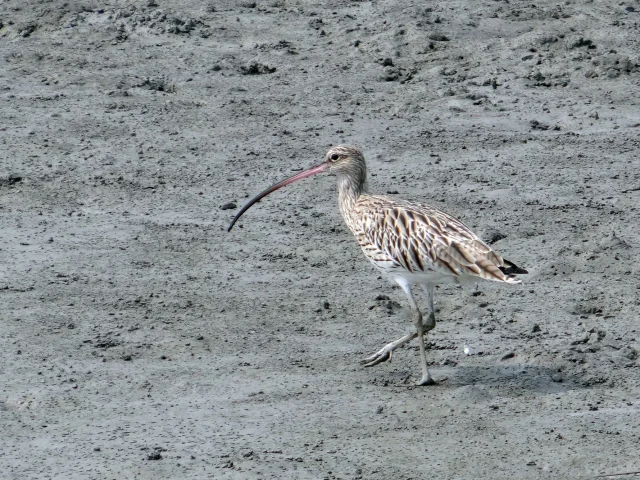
x,y
420,238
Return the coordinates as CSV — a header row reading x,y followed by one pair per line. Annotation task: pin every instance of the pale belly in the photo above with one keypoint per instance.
x,y
393,271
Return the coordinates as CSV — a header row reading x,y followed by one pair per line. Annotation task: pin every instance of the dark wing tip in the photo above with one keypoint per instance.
x,y
511,268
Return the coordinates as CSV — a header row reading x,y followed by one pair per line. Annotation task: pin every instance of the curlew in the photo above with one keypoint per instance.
x,y
411,243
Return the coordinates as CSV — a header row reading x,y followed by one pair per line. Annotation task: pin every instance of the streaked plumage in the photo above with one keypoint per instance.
x,y
407,238
412,243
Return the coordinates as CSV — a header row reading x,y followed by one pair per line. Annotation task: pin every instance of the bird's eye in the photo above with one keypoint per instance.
x,y
334,157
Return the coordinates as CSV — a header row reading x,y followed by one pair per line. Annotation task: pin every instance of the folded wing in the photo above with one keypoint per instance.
x,y
420,238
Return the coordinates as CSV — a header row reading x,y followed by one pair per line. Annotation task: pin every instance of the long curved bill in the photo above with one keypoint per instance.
x,y
304,174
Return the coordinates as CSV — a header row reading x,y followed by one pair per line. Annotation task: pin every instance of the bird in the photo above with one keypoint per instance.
x,y
411,243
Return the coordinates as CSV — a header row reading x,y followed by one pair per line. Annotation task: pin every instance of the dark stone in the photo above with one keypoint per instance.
x,y
13,179
438,37
507,356
257,69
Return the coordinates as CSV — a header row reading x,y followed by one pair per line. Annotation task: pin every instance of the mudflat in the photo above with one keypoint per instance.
x,y
141,340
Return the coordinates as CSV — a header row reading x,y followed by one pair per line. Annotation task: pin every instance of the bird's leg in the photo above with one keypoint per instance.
x,y
426,379
420,329
385,352
431,322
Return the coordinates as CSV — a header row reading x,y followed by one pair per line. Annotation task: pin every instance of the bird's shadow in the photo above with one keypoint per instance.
x,y
541,379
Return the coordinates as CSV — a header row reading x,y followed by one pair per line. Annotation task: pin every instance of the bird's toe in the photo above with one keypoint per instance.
x,y
376,358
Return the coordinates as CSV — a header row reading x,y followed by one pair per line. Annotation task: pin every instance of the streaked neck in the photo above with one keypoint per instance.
x,y
350,186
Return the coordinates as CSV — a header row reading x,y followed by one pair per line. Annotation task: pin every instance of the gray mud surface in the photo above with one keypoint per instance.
x,y
140,340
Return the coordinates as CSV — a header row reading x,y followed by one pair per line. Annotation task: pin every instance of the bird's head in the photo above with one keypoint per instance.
x,y
344,159
341,160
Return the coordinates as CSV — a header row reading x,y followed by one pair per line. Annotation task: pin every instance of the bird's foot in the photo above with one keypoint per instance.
x,y
428,380
382,355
